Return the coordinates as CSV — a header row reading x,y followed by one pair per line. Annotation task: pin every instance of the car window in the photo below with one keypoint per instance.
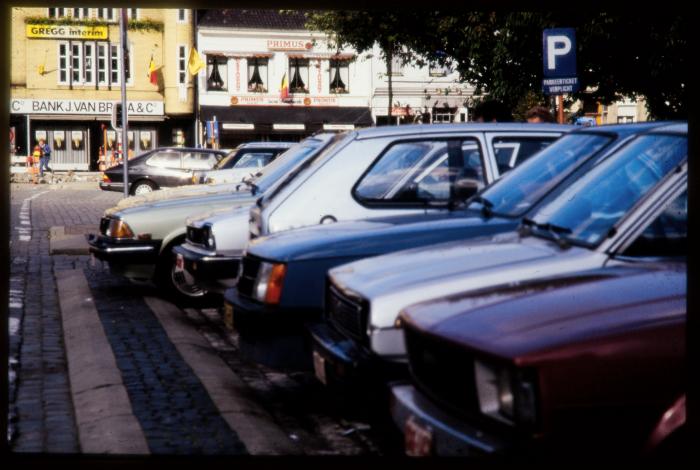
x,y
165,160
254,160
420,171
227,160
511,151
667,235
520,189
198,160
592,206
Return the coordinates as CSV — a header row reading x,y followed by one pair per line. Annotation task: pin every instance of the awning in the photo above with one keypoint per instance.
x,y
313,117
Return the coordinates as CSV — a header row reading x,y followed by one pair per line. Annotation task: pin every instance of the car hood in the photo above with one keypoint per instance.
x,y
372,237
548,314
201,200
395,281
173,193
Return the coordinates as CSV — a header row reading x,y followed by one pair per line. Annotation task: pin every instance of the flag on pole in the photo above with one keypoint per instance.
x,y
194,63
284,87
152,76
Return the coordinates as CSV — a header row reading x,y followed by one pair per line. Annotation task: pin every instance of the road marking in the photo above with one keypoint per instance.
x,y
25,233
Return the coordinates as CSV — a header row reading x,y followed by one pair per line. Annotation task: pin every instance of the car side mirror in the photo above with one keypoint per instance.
x,y
464,188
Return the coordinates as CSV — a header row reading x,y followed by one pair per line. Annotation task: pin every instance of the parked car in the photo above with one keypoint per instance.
x,y
630,208
372,172
589,363
161,167
244,161
308,253
137,241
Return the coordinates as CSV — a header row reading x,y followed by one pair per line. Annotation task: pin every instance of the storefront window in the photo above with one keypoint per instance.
x,y
257,71
339,76
217,73
299,71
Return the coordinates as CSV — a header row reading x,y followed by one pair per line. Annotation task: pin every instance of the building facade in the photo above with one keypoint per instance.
x,y
65,80
252,55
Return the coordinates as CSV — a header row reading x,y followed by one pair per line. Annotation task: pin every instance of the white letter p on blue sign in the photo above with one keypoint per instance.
x,y
556,46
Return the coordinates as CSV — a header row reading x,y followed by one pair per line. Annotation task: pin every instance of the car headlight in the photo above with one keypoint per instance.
x,y
117,228
268,284
505,394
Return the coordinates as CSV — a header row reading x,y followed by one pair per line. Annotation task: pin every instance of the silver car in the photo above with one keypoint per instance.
x,y
631,208
372,172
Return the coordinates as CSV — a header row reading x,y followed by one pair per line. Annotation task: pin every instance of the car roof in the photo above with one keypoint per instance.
x,y
624,129
675,128
189,149
266,145
418,129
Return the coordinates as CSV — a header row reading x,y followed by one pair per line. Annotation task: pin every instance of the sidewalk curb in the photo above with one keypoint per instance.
x,y
254,426
105,420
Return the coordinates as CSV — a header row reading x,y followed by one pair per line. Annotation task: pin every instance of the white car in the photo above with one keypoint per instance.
x,y
373,172
630,209
244,161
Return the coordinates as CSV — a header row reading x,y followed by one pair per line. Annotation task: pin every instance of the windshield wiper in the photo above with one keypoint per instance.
x,y
254,189
555,231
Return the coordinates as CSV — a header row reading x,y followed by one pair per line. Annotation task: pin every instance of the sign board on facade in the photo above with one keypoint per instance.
x,y
559,61
289,45
85,107
339,127
265,100
238,126
54,31
288,127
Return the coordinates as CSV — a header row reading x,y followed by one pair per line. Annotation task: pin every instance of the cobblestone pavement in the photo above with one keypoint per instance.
x,y
170,403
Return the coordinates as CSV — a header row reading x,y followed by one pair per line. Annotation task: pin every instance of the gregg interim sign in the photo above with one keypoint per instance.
x,y
54,31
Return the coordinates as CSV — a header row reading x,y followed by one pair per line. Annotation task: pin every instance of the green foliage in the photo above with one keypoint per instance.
x,y
133,25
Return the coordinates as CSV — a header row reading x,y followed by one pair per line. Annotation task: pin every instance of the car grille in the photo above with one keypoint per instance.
x,y
443,371
104,225
197,236
248,274
347,315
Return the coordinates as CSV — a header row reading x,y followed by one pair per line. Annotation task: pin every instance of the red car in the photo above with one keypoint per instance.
x,y
587,364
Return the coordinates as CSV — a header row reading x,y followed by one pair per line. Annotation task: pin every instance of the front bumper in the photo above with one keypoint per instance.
x,y
131,258
272,335
448,435
111,186
213,273
347,363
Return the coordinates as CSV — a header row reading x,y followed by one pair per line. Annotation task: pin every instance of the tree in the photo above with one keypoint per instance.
x,y
362,29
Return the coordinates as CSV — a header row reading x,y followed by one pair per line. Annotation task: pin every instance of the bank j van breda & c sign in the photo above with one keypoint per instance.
x,y
39,106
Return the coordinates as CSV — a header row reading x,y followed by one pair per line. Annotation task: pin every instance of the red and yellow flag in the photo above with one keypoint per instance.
x,y
152,76
284,88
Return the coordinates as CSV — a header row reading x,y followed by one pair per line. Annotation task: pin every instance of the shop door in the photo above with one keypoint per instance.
x,y
69,147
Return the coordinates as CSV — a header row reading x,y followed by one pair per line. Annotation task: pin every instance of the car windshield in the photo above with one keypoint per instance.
x,y
517,191
224,161
255,159
593,205
284,163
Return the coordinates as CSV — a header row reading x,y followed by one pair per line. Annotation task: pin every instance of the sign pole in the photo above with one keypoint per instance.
x,y
560,105
122,78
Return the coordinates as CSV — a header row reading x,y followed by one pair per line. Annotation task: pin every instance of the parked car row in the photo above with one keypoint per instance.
x,y
512,288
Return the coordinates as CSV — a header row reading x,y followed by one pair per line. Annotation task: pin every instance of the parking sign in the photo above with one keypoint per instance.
x,y
559,61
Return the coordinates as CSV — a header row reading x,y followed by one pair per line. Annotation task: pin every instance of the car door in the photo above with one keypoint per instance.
x,y
507,150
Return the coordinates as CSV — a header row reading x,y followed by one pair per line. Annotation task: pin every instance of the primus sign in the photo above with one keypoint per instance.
x,y
288,45
52,31
87,107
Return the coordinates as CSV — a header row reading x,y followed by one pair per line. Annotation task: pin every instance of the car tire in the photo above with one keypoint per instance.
x,y
142,187
175,288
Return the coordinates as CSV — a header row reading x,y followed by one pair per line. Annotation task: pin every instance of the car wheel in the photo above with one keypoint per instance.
x,y
179,285
142,187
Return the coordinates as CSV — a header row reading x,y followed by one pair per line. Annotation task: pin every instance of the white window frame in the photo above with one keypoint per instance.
x,y
114,72
104,46
66,45
93,68
105,13
184,12
82,13
130,16
181,64
73,69
59,12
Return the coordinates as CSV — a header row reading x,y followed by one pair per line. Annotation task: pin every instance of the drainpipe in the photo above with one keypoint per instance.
x,y
195,79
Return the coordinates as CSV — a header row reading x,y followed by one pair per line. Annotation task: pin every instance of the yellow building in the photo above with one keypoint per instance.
x,y
65,79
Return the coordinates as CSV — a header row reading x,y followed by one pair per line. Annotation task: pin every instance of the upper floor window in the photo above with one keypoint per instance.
x,y
181,64
217,73
181,15
81,12
87,62
299,71
339,76
132,13
107,14
257,73
58,12
396,65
